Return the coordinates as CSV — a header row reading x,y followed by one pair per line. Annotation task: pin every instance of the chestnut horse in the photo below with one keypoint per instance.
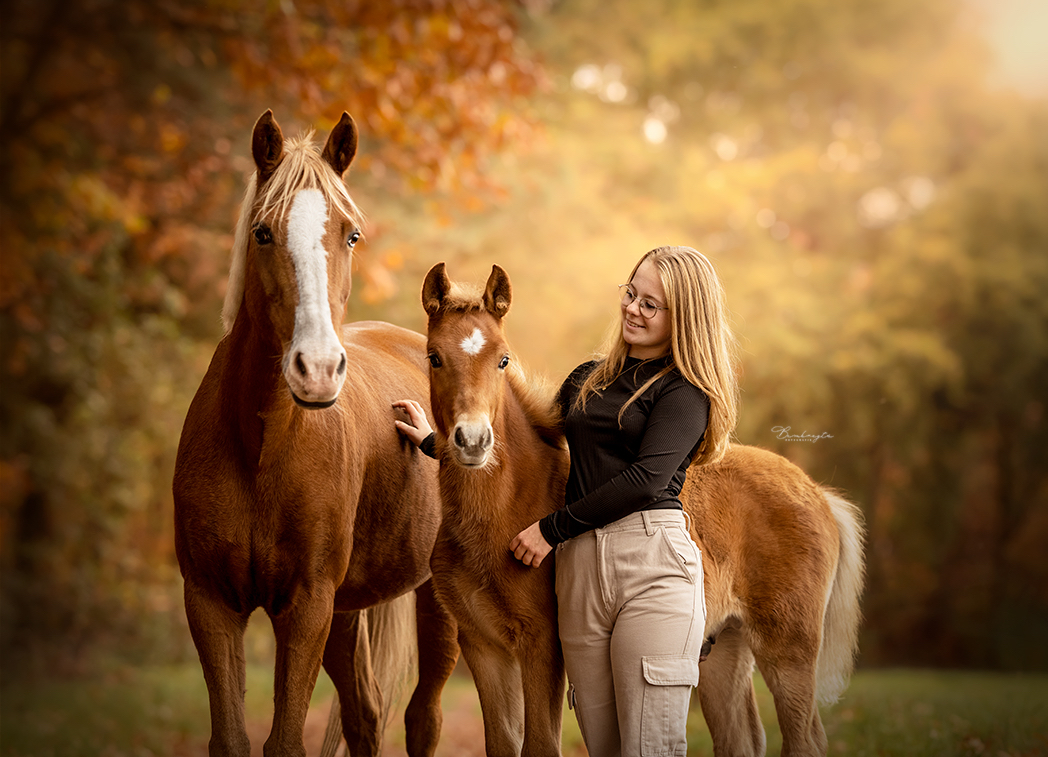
x,y
783,557
292,490
505,611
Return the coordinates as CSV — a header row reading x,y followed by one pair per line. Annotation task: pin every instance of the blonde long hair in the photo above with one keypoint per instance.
x,y
702,344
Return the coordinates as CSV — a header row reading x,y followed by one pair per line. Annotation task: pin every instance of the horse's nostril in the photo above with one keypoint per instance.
x,y
460,439
300,364
342,364
486,440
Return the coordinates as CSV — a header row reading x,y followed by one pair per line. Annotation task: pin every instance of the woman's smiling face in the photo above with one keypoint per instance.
x,y
647,337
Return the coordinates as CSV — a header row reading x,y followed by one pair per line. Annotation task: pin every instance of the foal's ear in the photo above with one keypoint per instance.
x,y
267,145
435,289
342,144
498,293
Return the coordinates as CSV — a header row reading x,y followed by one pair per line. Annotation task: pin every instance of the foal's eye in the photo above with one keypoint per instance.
x,y
353,239
503,362
262,234
434,360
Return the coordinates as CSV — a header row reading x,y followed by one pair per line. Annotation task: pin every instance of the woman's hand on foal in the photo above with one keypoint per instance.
x,y
419,427
530,546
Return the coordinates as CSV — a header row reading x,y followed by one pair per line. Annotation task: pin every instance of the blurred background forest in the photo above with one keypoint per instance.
x,y
873,194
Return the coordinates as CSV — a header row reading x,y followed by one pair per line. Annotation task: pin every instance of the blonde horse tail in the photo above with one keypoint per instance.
x,y
394,659
840,628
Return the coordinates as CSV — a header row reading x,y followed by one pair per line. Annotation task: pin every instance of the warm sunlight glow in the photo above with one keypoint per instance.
x,y
654,130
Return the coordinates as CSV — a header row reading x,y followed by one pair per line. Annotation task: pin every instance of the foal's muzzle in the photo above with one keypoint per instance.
x,y
471,442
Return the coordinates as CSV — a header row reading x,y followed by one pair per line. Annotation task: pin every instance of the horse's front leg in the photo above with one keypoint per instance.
x,y
301,629
542,668
496,674
218,632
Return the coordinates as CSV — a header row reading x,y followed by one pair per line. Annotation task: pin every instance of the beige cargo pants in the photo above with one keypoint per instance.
x,y
631,611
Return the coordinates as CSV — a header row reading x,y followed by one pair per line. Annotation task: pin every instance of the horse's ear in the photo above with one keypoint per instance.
x,y
498,293
435,289
342,144
267,145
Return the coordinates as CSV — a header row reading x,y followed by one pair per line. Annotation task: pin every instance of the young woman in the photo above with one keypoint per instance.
x,y
631,614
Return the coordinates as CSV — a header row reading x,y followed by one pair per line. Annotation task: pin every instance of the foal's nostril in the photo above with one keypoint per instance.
x,y
485,440
460,438
300,364
342,364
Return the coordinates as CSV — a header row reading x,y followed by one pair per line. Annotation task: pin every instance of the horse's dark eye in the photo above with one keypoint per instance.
x,y
353,239
503,362
262,234
434,360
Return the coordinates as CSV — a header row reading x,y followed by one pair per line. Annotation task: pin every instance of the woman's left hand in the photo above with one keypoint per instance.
x,y
418,428
530,546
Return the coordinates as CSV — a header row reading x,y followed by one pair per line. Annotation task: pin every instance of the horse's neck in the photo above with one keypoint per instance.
x,y
251,385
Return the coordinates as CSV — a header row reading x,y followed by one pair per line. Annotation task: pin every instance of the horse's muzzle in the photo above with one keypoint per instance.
x,y
472,442
313,405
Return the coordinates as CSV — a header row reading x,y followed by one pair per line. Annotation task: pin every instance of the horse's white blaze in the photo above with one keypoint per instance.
x,y
473,343
314,339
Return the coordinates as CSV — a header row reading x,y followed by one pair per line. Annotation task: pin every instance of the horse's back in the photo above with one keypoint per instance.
x,y
764,487
381,341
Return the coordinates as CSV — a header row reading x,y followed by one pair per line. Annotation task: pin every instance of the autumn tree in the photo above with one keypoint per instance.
x,y
125,129
875,208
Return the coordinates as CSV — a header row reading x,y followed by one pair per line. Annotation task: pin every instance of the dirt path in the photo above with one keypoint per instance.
x,y
461,736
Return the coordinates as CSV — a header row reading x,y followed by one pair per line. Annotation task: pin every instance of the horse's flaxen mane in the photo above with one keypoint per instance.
x,y
537,398
302,167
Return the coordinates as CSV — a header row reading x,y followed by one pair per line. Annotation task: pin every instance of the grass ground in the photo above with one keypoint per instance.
x,y
162,712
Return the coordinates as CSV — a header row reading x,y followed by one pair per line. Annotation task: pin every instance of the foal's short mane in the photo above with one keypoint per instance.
x,y
537,397
302,167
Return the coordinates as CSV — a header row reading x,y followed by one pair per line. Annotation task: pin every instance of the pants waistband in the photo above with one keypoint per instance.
x,y
647,520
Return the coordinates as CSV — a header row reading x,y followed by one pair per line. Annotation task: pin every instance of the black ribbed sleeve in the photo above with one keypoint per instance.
x,y
640,466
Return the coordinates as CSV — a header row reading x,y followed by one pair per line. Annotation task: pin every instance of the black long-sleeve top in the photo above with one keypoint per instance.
x,y
616,471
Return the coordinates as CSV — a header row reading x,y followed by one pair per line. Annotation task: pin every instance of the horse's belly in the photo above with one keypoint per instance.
x,y
395,528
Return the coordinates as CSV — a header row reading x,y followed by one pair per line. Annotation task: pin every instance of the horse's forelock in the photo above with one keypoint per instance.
x,y
302,168
463,297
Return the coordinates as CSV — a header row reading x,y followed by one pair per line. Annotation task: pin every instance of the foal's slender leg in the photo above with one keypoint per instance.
x,y
301,630
218,633
498,679
347,659
438,652
542,672
729,702
792,684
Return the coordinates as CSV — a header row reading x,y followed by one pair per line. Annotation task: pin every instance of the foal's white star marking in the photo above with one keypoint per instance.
x,y
473,343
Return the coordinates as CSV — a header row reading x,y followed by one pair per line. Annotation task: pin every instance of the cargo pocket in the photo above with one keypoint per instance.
x,y
667,694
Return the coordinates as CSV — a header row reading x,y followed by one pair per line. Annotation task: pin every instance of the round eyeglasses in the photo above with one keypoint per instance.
x,y
647,308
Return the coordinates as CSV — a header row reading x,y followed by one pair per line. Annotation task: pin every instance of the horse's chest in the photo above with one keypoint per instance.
x,y
482,583
263,539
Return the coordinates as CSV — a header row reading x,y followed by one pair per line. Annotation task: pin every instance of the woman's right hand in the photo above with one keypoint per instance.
x,y
418,428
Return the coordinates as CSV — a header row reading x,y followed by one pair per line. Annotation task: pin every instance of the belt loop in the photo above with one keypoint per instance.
x,y
649,529
687,520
